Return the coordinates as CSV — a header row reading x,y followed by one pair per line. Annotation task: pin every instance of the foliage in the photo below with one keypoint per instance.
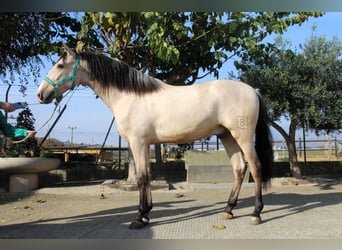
x,y
26,36
178,47
322,66
302,86
305,87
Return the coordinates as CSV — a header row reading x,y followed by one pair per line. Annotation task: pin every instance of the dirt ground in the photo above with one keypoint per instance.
x,y
98,211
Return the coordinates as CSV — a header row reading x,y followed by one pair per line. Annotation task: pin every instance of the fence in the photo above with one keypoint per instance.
x,y
114,155
312,150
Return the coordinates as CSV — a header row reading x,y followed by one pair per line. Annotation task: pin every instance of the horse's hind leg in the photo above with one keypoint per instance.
x,y
239,168
255,169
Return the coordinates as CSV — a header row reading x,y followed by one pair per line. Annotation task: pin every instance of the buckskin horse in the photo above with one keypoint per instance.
x,y
232,110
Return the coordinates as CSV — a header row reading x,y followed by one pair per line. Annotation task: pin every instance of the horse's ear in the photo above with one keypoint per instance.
x,y
69,51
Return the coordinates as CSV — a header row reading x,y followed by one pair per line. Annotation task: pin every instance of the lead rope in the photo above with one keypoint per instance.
x,y
48,120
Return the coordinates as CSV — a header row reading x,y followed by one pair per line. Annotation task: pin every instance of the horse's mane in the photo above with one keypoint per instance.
x,y
113,73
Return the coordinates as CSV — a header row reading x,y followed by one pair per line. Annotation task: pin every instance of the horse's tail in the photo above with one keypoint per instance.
x,y
263,145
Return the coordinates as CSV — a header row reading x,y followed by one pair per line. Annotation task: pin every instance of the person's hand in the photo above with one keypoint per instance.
x,y
31,133
7,106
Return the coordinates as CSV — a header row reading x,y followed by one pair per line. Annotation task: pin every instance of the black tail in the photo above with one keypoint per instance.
x,y
263,145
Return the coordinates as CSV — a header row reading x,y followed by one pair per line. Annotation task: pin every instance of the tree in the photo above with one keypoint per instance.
x,y
322,63
180,48
28,147
304,87
26,36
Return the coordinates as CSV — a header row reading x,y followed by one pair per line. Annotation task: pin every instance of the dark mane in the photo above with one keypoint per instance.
x,y
112,73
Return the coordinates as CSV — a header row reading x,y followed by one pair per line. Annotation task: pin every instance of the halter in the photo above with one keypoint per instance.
x,y
71,78
55,85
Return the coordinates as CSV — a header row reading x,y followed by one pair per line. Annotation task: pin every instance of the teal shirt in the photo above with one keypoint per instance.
x,y
10,131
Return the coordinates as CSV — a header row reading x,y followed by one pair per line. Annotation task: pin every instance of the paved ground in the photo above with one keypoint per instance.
x,y
292,210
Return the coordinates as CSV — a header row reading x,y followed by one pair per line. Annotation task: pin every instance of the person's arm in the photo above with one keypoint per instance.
x,y
7,106
11,131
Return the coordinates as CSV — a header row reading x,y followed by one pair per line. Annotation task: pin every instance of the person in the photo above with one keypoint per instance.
x,y
7,129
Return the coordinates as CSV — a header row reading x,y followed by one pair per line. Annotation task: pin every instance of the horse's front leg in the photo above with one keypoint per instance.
x,y
141,156
145,203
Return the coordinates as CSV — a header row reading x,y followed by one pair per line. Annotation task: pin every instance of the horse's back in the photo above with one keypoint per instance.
x,y
234,97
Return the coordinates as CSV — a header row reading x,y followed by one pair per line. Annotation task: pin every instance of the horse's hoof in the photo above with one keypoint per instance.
x,y
137,224
146,220
255,220
227,216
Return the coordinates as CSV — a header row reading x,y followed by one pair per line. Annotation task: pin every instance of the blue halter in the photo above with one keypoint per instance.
x,y
71,78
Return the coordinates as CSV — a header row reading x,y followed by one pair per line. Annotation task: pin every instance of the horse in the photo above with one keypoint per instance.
x,y
232,110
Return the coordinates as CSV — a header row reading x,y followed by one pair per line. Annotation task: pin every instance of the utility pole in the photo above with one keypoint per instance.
x,y
72,135
6,114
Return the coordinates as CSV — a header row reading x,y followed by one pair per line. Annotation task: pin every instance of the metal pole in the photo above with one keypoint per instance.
x,y
6,113
72,135
53,125
217,143
304,145
119,151
104,142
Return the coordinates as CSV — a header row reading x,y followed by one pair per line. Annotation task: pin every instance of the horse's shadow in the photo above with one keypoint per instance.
x,y
113,223
287,205
297,203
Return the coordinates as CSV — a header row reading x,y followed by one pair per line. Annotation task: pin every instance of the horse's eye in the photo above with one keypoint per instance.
x,y
60,66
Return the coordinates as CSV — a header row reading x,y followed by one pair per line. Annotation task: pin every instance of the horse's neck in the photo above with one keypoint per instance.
x,y
112,97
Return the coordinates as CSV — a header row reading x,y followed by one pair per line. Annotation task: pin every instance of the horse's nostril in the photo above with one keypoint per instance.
x,y
40,97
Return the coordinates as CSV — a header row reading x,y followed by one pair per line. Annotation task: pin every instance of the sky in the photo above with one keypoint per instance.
x,y
89,118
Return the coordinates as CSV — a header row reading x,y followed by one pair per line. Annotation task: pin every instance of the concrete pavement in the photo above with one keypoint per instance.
x,y
305,210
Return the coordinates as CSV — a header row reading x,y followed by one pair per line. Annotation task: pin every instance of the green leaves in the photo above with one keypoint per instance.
x,y
157,37
177,46
305,85
25,37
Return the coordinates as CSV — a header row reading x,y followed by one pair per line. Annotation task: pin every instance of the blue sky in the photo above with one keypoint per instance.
x,y
91,117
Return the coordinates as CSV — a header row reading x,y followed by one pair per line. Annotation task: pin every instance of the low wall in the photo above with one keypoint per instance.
x,y
282,169
201,170
215,166
210,174
170,171
206,158
209,167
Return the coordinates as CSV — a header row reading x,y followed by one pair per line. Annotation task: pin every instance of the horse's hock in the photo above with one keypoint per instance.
x,y
24,171
209,167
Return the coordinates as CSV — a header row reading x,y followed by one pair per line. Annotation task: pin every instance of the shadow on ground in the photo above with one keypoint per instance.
x,y
113,223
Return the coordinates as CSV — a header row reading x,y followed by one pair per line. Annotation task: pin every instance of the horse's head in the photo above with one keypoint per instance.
x,y
61,77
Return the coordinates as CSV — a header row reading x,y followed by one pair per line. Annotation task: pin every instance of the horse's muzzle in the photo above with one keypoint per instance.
x,y
45,99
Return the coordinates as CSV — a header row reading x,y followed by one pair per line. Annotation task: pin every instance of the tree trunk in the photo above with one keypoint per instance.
x,y
291,147
294,167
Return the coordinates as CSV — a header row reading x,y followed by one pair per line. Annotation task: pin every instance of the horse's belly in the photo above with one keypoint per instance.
x,y
183,132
